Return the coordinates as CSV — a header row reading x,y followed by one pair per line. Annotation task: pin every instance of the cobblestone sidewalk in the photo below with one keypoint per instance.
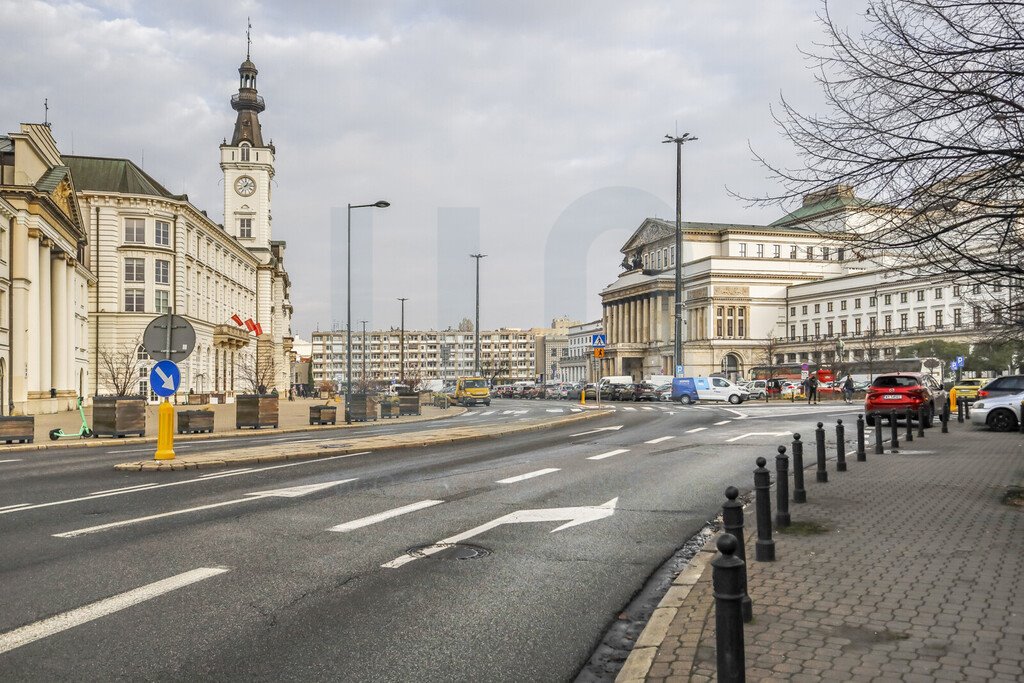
x,y
907,567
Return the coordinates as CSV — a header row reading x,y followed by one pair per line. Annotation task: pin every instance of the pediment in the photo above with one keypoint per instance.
x,y
651,230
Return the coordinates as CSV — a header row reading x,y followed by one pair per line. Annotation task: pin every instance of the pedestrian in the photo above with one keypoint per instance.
x,y
848,389
812,389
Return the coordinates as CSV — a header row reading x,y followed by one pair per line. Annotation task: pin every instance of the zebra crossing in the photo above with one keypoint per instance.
x,y
493,412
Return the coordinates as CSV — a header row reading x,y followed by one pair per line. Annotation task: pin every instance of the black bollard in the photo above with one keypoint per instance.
x,y
862,454
1020,422
732,523
840,446
894,440
821,474
782,519
960,411
967,410
920,421
879,446
910,425
727,582
945,418
799,492
765,546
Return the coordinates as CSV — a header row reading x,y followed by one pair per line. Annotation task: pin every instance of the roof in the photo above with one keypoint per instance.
x,y
102,174
824,206
6,144
51,179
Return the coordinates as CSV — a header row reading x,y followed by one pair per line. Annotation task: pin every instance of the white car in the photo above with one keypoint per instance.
x,y
1001,414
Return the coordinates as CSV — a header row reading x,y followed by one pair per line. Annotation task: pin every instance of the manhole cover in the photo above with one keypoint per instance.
x,y
451,551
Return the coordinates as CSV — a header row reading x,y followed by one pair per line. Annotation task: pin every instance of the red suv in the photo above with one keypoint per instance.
x,y
902,390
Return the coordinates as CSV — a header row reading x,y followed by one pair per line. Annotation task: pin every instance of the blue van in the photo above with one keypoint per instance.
x,y
684,390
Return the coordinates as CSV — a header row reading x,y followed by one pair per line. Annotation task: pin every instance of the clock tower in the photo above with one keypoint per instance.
x,y
248,166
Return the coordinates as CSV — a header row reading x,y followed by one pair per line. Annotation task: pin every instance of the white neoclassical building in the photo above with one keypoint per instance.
x,y
44,277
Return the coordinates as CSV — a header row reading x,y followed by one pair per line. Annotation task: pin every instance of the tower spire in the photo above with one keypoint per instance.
x,y
247,102
248,37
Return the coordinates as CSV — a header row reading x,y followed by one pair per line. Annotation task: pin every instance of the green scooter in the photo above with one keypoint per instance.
x,y
83,433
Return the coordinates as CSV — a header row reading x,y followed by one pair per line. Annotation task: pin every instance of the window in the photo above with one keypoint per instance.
x,y
792,251
803,309
659,260
956,290
826,254
134,270
805,331
888,299
792,333
840,254
920,320
817,330
873,301
856,325
938,292
842,327
760,251
163,233
976,311
975,289
810,253
903,322
245,227
856,303
672,255
903,297
730,321
957,317
135,230
743,248
938,320
245,152
720,321
873,325
842,305
792,310
160,300
828,307
817,308
134,300
920,295
647,262
888,323
741,324
162,272
777,251
829,328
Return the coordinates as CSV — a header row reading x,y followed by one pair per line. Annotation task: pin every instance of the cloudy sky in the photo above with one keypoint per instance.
x,y
529,112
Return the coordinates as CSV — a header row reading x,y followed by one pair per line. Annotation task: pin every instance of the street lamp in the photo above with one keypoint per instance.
x,y
476,327
677,352
401,344
348,308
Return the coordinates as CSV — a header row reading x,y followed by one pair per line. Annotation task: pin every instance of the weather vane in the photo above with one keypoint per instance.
x,y
46,111
248,36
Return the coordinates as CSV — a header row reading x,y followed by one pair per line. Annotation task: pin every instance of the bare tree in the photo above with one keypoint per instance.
x,y
925,118
768,350
258,370
119,367
465,325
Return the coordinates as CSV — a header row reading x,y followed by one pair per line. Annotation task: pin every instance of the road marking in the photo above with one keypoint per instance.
x,y
609,454
601,429
528,475
556,410
571,516
124,489
101,608
698,429
647,408
628,408
135,450
660,439
522,412
12,460
291,492
671,412
240,470
488,412
469,413
13,507
382,516
118,492
576,410
743,436
507,412
723,422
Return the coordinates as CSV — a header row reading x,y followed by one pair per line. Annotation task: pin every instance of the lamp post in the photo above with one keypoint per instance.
x,y
363,374
476,325
348,307
677,351
401,344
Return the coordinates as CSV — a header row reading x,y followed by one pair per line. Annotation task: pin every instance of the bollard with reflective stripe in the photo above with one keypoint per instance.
x,y
840,446
894,441
727,582
732,523
782,519
879,444
821,474
765,546
799,492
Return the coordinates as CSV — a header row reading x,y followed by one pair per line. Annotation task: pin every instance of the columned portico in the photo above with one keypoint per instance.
x,y
32,330
45,320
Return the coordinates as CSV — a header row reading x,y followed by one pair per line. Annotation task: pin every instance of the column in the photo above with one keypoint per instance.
x,y
618,323
59,306
45,319
32,335
647,318
630,321
71,351
656,322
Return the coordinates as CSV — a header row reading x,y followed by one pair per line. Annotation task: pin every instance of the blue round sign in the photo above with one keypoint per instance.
x,y
164,378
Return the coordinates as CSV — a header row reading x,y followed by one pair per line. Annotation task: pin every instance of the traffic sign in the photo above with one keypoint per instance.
x,y
953,365
599,352
599,341
164,378
679,371
182,338
805,367
959,361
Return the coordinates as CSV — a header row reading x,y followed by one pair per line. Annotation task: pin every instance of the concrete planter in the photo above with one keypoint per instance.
x,y
119,416
322,415
256,411
195,421
20,428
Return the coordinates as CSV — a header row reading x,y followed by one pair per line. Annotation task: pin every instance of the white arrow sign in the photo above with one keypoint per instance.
x,y
571,516
602,429
166,379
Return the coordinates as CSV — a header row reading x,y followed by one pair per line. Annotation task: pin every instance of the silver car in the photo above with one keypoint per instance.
x,y
1001,414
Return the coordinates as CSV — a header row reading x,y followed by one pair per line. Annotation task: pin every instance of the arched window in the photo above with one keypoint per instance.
x,y
245,152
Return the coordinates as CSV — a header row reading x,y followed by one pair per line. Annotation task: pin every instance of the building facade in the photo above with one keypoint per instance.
x,y
579,364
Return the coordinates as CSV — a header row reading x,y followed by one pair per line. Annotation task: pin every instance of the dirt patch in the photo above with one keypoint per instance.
x,y
808,528
1014,497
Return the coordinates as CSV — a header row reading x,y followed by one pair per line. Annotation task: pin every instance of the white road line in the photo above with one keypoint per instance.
x,y
723,422
628,408
12,460
469,414
660,439
671,412
118,492
507,412
488,412
743,436
609,454
528,475
556,410
124,489
12,507
240,470
134,450
647,408
382,516
101,608
698,429
522,412
576,410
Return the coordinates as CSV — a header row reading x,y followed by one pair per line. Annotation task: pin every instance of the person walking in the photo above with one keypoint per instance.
x,y
848,389
812,389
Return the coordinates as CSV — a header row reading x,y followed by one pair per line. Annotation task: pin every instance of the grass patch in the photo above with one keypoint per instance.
x,y
809,528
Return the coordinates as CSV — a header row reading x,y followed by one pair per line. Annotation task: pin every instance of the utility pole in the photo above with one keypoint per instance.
x,y
476,326
401,344
677,352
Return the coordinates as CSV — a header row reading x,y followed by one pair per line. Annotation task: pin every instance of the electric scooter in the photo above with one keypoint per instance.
x,y
83,433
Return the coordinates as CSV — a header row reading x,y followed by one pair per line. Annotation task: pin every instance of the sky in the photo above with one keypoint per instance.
x,y
526,130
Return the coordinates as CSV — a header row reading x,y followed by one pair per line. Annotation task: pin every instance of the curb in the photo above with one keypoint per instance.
x,y
455,411
179,465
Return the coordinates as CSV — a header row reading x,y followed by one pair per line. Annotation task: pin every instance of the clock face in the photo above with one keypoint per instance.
x,y
245,186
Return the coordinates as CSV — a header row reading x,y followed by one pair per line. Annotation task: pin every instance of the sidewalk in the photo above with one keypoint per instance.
x,y
907,567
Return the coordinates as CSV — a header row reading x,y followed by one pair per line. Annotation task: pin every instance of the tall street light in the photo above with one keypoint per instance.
x,y
401,344
348,308
476,325
363,323
677,351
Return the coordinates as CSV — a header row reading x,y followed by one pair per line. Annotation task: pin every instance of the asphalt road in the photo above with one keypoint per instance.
x,y
303,571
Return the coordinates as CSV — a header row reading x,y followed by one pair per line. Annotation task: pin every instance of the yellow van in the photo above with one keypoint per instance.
x,y
470,391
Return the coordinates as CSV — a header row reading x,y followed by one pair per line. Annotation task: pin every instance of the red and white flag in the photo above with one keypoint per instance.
x,y
258,330
237,320
250,325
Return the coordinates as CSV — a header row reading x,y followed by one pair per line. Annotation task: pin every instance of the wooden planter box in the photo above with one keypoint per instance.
x,y
389,408
322,415
363,408
20,428
195,421
256,411
409,405
119,416
198,399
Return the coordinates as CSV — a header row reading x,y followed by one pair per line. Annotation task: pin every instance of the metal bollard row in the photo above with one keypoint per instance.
x,y
765,546
862,455
732,523
821,474
727,572
840,446
799,492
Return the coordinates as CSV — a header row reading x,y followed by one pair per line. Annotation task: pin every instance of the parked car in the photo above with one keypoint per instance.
x,y
708,389
622,392
645,391
664,392
1001,414
758,388
791,389
901,391
1002,386
967,389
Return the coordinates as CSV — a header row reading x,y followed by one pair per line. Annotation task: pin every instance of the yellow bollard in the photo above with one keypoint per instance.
x,y
952,399
583,395
165,432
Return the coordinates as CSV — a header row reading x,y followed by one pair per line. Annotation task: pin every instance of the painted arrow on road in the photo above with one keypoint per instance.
x,y
571,516
600,429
